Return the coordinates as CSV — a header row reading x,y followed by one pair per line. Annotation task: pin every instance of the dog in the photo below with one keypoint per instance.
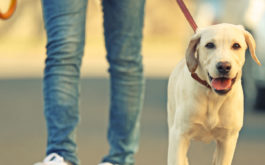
x,y
205,96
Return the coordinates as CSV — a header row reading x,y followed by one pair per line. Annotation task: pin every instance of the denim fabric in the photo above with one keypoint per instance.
x,y
65,26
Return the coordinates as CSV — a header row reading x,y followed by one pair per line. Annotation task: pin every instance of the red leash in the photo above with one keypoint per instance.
x,y
187,15
10,11
194,26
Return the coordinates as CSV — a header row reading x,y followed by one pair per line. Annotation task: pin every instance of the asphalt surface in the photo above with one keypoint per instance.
x,y
23,132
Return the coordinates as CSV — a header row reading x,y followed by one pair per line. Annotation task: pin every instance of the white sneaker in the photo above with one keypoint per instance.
x,y
53,159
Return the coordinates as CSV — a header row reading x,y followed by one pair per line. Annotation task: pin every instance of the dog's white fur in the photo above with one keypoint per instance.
x,y
197,112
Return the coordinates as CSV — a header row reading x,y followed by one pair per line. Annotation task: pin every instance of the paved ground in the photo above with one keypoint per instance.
x,y
22,127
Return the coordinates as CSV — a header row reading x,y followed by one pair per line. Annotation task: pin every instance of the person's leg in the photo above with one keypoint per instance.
x,y
65,27
123,23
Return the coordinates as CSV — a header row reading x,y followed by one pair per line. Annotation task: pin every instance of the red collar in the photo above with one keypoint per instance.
x,y
197,78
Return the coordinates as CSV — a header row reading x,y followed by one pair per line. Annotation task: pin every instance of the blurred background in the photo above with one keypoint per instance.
x,y
166,35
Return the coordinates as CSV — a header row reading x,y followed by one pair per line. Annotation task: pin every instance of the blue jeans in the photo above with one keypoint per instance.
x,y
65,26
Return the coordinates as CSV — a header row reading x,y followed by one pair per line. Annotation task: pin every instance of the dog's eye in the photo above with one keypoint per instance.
x,y
210,45
236,46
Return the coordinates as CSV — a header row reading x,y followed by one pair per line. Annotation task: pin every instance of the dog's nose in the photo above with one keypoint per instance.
x,y
223,67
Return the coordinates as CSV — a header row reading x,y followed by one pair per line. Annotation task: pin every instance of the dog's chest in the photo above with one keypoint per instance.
x,y
201,133
206,120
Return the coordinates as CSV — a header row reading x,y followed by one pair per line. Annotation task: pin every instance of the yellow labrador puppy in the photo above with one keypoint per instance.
x,y
205,97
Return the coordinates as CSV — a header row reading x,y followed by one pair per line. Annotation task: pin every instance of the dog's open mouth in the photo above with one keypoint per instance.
x,y
222,85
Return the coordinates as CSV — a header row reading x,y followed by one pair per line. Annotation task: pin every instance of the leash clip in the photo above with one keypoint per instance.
x,y
10,11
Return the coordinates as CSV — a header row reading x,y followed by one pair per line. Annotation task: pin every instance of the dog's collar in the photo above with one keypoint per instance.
x,y
197,78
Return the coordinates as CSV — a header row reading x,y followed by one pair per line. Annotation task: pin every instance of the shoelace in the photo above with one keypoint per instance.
x,y
54,158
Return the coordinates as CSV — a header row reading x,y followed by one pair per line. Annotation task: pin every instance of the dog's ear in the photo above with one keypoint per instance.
x,y
252,46
192,61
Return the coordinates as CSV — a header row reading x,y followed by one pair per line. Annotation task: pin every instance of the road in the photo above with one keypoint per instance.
x,y
23,132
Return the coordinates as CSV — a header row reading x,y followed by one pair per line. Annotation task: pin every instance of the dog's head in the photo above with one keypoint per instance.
x,y
219,53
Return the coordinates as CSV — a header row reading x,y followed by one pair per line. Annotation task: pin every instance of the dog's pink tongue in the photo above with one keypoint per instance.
x,y
221,83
